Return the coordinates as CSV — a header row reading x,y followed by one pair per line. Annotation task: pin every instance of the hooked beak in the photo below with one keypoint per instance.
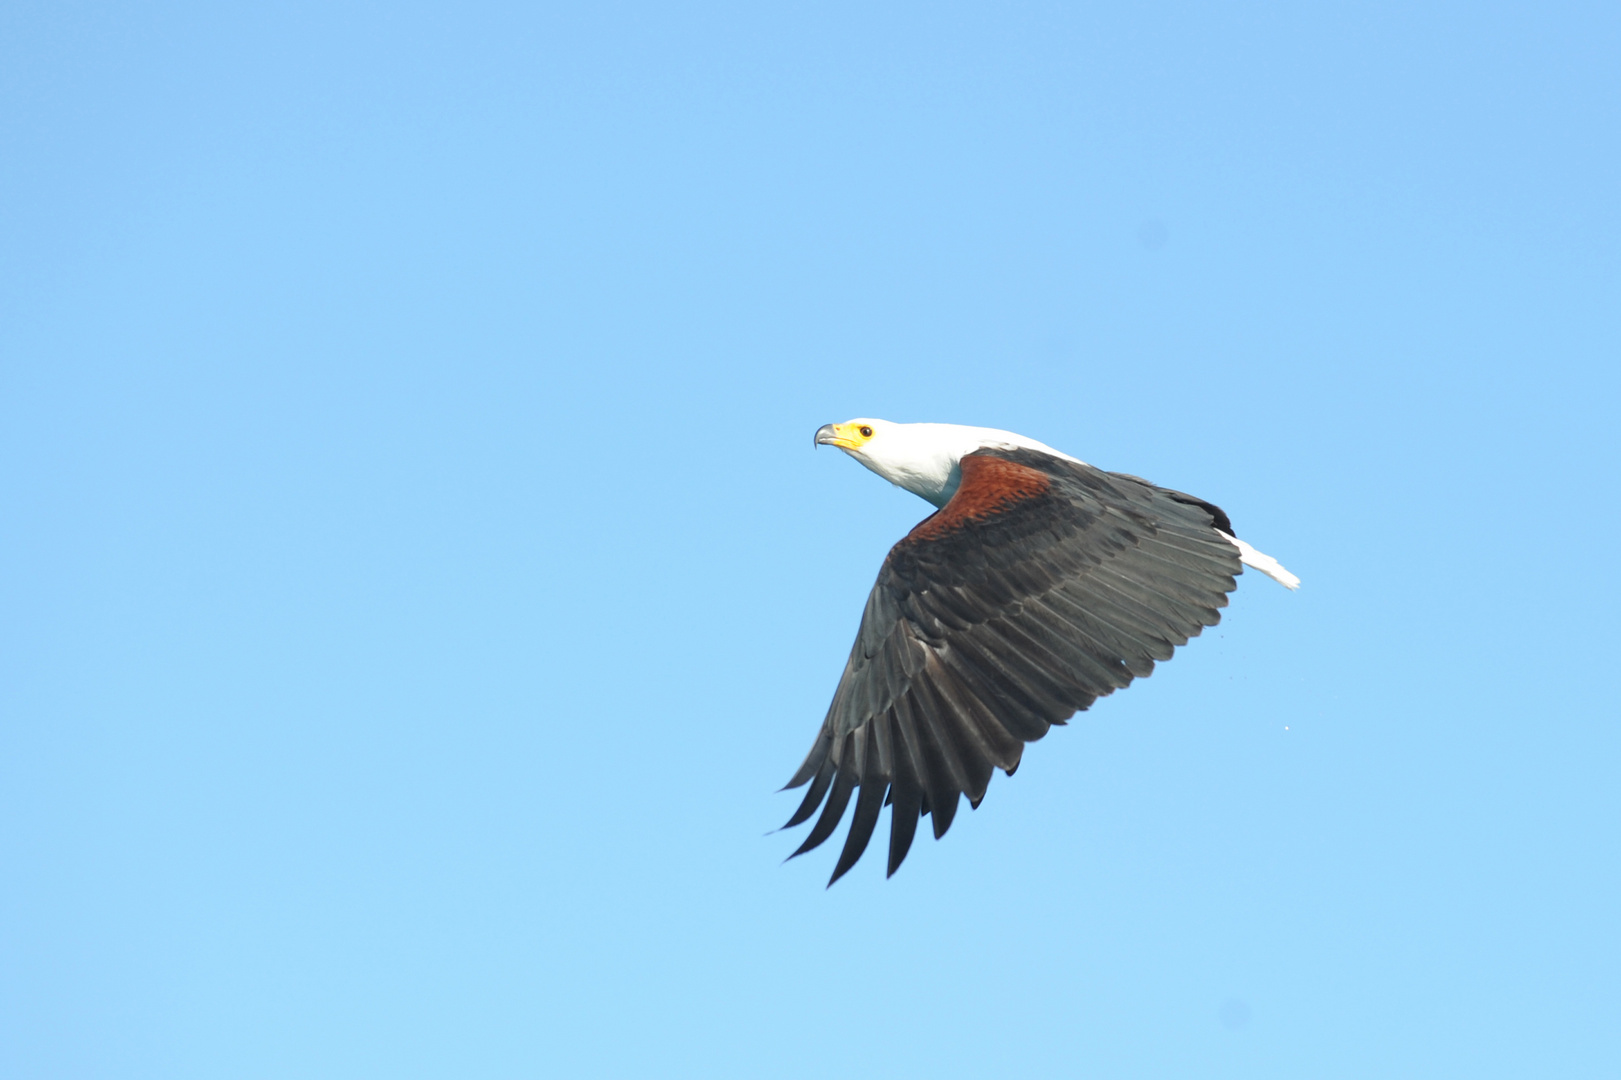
x,y
828,435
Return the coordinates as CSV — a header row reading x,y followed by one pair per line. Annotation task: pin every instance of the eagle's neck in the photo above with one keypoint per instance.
x,y
924,458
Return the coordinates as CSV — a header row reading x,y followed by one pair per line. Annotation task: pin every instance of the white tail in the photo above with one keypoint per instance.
x,y
1263,562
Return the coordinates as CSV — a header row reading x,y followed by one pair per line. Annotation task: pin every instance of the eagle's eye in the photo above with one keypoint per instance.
x,y
866,432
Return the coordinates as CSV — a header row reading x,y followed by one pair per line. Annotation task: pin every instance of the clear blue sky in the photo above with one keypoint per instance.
x,y
416,577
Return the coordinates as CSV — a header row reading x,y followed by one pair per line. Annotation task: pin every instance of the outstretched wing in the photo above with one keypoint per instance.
x,y
1043,585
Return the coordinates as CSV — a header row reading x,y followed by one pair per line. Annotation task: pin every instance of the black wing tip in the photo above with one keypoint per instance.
x,y
901,834
811,844
813,796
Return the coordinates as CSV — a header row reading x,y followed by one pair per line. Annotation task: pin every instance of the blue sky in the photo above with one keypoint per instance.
x,y
416,577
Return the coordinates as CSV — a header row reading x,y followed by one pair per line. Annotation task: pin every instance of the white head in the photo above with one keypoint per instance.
x,y
922,458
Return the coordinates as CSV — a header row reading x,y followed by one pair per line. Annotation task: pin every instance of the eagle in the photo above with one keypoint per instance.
x,y
1039,584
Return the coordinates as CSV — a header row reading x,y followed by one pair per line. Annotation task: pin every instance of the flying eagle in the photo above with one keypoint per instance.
x,y
1038,585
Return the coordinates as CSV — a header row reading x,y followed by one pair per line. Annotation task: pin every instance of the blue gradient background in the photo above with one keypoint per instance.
x,y
416,577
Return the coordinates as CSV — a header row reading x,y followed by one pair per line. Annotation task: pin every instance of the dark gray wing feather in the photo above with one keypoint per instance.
x,y
1000,616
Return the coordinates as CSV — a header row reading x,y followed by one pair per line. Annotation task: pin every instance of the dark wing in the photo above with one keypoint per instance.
x,y
1043,585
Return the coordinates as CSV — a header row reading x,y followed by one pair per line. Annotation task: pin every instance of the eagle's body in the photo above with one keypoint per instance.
x,y
1039,585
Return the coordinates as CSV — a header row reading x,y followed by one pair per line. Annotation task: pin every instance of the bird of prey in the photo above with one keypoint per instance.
x,y
1039,584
